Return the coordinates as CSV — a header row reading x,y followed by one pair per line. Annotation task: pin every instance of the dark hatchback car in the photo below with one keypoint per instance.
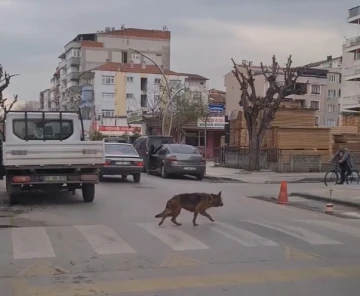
x,y
177,159
144,144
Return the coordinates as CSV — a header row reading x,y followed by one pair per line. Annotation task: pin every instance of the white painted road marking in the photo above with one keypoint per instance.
x,y
31,243
241,236
103,240
174,238
351,230
300,233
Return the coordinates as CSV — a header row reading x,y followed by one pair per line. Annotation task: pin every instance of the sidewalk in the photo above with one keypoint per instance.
x,y
262,177
348,195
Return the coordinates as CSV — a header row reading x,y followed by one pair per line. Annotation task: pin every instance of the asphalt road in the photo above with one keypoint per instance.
x,y
60,246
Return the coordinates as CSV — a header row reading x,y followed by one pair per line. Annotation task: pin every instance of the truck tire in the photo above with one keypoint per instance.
x,y
10,192
137,177
88,192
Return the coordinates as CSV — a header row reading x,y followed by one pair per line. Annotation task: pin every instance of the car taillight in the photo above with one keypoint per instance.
x,y
107,162
21,179
172,158
139,164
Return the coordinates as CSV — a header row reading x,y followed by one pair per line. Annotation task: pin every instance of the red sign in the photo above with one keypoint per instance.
x,y
106,128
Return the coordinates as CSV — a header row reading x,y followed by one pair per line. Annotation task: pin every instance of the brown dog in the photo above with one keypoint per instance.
x,y
196,203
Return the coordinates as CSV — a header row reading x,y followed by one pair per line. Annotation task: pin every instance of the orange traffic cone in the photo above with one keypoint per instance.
x,y
283,195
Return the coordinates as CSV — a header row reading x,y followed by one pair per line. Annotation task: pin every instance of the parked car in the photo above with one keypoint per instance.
x,y
144,144
121,159
177,159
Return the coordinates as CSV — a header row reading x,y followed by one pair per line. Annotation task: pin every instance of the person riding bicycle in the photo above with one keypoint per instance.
x,y
343,157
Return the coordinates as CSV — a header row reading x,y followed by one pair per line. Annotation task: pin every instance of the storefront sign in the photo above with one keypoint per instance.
x,y
131,129
135,116
212,122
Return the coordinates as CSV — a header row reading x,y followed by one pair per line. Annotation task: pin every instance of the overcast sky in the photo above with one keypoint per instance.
x,y
205,33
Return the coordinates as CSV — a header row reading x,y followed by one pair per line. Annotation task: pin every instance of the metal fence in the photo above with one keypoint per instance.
x,y
239,157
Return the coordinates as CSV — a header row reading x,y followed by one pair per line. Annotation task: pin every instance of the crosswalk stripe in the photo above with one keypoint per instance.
x,y
174,238
241,236
300,233
351,230
31,243
104,240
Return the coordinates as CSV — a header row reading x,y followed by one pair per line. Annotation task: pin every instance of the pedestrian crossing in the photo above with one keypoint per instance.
x,y
36,242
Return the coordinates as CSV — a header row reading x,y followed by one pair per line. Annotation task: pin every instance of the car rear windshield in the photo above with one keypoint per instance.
x,y
157,142
37,129
183,149
119,149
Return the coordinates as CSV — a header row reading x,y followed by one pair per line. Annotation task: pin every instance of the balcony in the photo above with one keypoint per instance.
x,y
62,64
352,43
73,61
72,44
354,15
352,74
73,76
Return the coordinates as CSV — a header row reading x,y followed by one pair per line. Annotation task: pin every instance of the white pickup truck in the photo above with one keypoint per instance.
x,y
46,151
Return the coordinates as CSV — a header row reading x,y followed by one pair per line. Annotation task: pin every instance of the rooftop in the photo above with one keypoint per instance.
x,y
139,68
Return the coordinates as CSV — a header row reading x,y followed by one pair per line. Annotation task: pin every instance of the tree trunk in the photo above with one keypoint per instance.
x,y
254,152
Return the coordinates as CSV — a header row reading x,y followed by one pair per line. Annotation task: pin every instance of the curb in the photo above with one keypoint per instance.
x,y
327,199
213,178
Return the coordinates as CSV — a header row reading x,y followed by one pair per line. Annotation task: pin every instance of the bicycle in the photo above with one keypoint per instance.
x,y
335,175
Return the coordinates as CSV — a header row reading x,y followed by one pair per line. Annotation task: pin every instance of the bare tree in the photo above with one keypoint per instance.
x,y
5,105
260,111
28,106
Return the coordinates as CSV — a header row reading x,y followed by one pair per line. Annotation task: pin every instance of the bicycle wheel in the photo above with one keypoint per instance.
x,y
354,177
331,177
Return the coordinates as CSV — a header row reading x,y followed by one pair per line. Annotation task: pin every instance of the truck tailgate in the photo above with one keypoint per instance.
x,y
86,153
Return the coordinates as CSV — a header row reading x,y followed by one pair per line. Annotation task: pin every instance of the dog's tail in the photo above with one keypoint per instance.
x,y
163,213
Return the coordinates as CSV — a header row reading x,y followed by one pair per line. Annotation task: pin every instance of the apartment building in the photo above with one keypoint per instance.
x,y
88,51
129,91
45,102
333,88
350,87
316,81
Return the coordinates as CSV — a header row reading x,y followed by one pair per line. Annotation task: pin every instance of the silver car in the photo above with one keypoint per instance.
x,y
121,159
177,159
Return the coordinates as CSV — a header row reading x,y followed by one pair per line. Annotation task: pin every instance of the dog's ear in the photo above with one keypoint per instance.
x,y
219,194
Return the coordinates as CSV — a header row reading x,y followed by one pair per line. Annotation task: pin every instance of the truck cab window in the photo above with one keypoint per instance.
x,y
36,129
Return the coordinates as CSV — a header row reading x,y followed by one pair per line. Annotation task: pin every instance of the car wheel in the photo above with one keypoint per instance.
x,y
137,178
101,178
200,177
164,174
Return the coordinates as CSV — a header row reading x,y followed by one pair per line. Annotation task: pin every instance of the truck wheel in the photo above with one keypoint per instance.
x,y
88,192
10,192
137,178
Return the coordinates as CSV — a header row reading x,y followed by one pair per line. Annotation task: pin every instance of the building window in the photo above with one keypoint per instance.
x,y
317,120
357,55
73,53
196,138
332,78
315,105
330,122
174,83
331,93
202,83
143,101
108,113
129,96
157,81
107,96
315,89
135,56
107,79
331,108
130,79
339,93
